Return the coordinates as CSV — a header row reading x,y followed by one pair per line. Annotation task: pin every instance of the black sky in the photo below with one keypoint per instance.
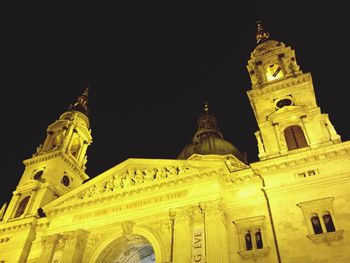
x,y
151,67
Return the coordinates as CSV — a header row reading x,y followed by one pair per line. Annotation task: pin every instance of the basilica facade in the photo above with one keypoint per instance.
x,y
208,205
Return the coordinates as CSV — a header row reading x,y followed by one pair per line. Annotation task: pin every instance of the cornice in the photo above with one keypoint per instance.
x,y
305,184
57,154
16,225
259,90
320,154
101,195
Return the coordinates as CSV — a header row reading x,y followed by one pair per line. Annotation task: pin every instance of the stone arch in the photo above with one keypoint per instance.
x,y
117,244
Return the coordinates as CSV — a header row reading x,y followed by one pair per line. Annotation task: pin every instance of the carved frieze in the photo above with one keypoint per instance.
x,y
134,176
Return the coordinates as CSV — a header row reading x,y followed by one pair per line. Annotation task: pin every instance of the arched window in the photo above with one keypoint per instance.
x,y
75,147
328,222
258,239
248,241
316,225
295,137
22,206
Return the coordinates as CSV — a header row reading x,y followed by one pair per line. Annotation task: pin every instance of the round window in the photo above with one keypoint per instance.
x,y
38,175
284,102
65,180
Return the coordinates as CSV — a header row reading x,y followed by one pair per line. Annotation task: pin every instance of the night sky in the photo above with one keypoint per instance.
x,y
151,67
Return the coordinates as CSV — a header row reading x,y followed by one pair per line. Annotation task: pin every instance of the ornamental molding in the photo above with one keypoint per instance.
x,y
4,239
301,187
254,253
69,160
18,224
278,85
132,177
327,237
321,154
70,239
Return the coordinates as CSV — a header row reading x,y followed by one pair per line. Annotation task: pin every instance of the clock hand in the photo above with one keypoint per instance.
x,y
276,72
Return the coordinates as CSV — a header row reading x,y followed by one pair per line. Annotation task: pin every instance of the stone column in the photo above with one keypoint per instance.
x,y
82,152
49,245
181,236
74,246
215,232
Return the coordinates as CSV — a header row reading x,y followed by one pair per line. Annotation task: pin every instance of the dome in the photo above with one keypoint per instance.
x,y
210,145
208,140
266,46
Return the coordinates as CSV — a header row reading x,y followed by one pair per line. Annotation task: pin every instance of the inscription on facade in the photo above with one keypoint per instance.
x,y
198,250
141,203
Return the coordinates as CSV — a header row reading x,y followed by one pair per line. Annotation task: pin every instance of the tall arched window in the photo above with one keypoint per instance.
x,y
328,222
75,147
295,137
248,241
258,239
316,224
22,206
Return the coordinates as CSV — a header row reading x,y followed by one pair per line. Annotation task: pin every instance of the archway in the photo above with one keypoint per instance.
x,y
128,249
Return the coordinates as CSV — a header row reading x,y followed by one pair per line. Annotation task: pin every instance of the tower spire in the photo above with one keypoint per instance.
x,y
261,34
82,102
207,124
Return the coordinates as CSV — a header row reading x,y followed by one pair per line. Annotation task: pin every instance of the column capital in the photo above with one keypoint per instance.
x,y
181,214
213,209
196,214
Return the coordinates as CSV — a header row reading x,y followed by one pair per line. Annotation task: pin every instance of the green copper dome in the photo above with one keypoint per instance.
x,y
209,140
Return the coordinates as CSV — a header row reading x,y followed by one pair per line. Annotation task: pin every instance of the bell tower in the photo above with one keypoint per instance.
x,y
58,166
284,102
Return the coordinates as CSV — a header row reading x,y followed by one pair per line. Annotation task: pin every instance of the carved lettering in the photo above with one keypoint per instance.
x,y
197,258
145,202
197,240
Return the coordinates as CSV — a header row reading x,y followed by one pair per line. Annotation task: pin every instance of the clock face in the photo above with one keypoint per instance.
x,y
274,71
65,180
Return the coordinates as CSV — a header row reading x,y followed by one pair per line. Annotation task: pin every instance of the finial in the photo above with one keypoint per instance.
x,y
82,102
206,109
261,34
86,90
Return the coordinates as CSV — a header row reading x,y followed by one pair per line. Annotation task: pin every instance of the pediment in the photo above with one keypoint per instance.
x,y
131,176
231,161
285,112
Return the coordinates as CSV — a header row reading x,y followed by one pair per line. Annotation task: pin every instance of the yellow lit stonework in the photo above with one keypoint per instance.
x,y
209,205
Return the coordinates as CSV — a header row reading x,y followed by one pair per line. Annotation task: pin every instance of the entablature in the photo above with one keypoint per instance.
x,y
58,154
321,154
278,85
136,176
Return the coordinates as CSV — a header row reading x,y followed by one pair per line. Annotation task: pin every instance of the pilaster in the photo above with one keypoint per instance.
x,y
181,235
215,232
